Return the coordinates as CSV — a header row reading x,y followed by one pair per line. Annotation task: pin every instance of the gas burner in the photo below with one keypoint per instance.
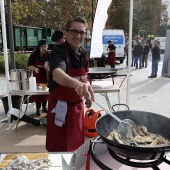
x,y
126,161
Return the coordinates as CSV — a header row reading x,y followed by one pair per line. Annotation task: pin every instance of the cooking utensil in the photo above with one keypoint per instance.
x,y
123,126
155,123
101,72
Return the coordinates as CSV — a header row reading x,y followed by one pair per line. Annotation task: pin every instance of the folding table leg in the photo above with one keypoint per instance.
x,y
22,99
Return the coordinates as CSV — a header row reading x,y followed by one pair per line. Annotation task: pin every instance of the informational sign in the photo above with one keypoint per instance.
x,y
116,39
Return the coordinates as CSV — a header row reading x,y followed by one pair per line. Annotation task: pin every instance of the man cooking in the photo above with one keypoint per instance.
x,y
68,88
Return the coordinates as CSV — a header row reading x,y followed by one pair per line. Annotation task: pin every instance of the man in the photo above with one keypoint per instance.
x,y
133,55
67,86
145,54
58,37
138,52
156,52
111,54
37,63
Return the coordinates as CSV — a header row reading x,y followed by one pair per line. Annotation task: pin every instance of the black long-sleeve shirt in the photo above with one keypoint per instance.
x,y
156,52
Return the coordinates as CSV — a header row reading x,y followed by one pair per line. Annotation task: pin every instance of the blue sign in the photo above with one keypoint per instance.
x,y
116,39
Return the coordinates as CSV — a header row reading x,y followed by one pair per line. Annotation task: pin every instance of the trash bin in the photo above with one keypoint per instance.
x,y
16,102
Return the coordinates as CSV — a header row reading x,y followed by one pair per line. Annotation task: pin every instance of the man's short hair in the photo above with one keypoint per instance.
x,y
57,35
77,19
109,41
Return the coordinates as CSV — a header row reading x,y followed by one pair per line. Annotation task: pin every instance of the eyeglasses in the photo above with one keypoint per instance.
x,y
76,32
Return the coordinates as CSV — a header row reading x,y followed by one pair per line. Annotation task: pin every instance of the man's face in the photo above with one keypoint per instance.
x,y
43,49
155,43
73,39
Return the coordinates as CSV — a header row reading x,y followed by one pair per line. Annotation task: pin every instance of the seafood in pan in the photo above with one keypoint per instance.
x,y
140,137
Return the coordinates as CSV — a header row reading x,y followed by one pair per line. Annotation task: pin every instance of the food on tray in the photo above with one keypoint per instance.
x,y
23,163
140,137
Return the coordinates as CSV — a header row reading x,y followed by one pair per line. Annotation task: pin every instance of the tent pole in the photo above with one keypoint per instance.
x,y
5,57
129,50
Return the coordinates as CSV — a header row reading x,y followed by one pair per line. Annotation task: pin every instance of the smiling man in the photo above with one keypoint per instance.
x,y
67,86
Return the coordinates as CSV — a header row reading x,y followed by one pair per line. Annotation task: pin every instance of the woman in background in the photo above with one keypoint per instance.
x,y
38,63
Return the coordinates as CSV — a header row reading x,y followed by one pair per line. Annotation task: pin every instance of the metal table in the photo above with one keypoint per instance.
x,y
104,73
27,93
96,88
104,90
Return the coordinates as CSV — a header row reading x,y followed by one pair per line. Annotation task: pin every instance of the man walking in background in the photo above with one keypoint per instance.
x,y
138,52
156,52
145,54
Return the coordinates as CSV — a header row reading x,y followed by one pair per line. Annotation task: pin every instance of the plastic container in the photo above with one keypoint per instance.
x,y
32,83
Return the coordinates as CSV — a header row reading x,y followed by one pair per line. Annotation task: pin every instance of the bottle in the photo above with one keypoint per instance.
x,y
32,83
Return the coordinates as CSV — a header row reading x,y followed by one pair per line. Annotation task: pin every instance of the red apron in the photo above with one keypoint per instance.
x,y
71,135
111,59
41,77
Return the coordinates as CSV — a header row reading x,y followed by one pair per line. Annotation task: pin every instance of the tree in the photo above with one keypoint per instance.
x,y
51,13
146,15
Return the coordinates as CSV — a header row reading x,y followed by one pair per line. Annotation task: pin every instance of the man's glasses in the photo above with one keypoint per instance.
x,y
76,32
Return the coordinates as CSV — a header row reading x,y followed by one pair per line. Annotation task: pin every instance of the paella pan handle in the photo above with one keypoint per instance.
x,y
108,112
162,150
120,105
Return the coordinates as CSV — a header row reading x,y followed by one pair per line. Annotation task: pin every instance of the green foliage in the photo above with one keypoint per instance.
x,y
146,15
20,61
50,14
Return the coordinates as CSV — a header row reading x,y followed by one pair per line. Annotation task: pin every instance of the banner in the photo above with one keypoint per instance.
x,y
98,26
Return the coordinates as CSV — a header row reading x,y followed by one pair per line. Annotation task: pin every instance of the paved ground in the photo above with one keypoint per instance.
x,y
146,94
151,95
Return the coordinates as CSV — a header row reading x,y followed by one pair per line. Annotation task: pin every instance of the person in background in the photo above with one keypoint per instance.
x,y
145,54
138,52
58,37
126,52
156,52
103,60
133,55
38,63
68,88
111,54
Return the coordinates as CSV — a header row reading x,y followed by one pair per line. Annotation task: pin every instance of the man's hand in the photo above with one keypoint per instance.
x,y
86,91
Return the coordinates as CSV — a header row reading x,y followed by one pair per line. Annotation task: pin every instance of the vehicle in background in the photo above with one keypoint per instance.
x,y
26,38
118,38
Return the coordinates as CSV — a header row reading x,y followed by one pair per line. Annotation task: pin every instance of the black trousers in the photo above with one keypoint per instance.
x,y
39,104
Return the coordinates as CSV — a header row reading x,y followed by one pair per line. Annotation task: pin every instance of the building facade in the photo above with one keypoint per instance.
x,y
167,13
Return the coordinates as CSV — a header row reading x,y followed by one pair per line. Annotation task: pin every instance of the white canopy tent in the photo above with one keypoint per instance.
x,y
5,53
98,26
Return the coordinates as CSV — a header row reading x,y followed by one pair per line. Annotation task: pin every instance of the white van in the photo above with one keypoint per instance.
x,y
118,38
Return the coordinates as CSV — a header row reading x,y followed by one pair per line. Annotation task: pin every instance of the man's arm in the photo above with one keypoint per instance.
x,y
81,88
64,79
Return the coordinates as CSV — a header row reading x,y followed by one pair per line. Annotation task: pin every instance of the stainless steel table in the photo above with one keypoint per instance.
x,y
96,85
105,87
26,93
